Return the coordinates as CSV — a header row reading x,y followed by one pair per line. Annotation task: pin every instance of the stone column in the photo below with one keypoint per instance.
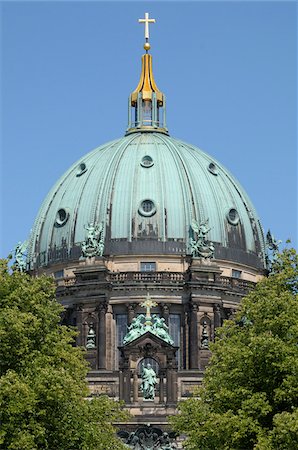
x,y
79,317
127,385
161,386
185,338
175,386
171,385
109,339
135,386
193,337
101,343
217,318
121,385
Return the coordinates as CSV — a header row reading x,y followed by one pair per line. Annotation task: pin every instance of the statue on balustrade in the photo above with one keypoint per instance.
x,y
201,247
20,256
94,242
272,246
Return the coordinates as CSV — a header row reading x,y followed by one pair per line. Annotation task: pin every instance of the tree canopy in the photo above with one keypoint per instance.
x,y
42,386
249,396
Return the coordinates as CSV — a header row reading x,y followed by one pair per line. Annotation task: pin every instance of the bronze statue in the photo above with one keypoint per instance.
x,y
201,247
149,381
94,242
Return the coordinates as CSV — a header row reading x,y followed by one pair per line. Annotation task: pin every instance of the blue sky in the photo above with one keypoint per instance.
x,y
228,69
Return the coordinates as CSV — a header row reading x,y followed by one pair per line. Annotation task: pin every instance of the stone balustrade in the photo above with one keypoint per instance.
x,y
123,278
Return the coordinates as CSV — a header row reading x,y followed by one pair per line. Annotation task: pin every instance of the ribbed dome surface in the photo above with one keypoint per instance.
x,y
146,204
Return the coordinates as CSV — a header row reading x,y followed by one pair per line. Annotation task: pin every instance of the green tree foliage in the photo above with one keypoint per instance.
x,y
42,384
249,396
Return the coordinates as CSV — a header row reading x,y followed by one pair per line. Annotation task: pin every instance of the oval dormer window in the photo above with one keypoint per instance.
x,y
147,161
233,216
213,168
147,208
61,217
82,168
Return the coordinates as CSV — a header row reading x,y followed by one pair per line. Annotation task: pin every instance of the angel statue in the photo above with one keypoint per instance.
x,y
161,329
93,244
20,256
201,247
135,329
272,245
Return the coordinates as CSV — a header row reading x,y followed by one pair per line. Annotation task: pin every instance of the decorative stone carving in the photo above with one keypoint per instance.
x,y
94,243
205,336
148,350
272,250
20,256
201,247
149,381
91,338
148,438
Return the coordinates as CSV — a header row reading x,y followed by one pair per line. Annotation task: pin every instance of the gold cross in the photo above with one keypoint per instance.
x,y
146,21
148,304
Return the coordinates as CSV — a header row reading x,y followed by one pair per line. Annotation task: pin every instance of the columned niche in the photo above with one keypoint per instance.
x,y
161,355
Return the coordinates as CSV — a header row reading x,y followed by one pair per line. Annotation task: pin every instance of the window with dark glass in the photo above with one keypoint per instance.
x,y
121,330
175,333
236,273
59,274
148,267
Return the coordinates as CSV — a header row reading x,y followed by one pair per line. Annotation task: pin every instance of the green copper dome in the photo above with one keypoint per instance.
x,y
145,190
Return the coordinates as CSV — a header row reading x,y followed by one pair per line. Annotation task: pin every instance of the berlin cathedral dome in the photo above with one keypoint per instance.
x,y
149,194
146,190
152,244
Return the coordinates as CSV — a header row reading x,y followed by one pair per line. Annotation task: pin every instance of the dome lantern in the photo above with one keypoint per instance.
x,y
146,107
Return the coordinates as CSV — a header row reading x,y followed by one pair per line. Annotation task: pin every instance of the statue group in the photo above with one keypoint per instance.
x,y
201,247
20,253
94,243
148,438
140,325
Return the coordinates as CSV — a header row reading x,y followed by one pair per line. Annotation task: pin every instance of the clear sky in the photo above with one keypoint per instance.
x,y
228,70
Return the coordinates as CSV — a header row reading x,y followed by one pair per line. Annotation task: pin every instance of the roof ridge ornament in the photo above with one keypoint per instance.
x,y
146,107
146,22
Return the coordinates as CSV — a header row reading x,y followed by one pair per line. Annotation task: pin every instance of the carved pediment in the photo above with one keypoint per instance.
x,y
148,338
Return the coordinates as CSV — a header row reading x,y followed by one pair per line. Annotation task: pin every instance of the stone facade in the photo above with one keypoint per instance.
x,y
193,302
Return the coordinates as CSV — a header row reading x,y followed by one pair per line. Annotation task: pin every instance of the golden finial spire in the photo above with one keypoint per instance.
x,y
146,21
147,103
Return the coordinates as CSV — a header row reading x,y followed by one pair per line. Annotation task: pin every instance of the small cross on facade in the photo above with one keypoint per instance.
x,y
146,21
148,304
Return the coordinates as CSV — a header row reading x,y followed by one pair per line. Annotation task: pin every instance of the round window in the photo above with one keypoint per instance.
x,y
61,217
147,161
213,168
82,168
147,208
233,216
